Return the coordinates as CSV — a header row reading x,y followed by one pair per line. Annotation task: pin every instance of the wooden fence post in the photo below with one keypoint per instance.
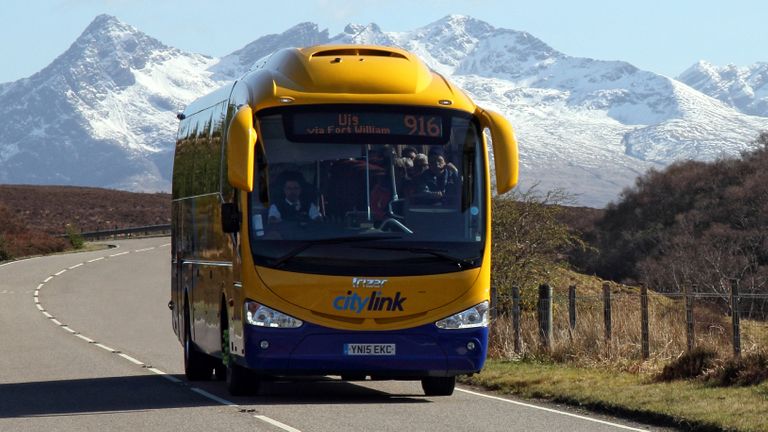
x,y
607,310
735,316
572,307
545,316
516,318
689,324
644,330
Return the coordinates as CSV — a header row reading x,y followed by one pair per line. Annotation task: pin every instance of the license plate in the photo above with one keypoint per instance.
x,y
369,349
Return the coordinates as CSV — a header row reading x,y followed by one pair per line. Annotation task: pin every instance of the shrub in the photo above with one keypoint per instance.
x,y
75,239
4,254
529,240
751,369
689,365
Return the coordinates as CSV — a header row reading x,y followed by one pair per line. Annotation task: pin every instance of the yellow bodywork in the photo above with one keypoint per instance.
x,y
240,151
342,74
347,74
504,148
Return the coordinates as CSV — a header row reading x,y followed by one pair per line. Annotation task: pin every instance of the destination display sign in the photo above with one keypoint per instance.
x,y
354,123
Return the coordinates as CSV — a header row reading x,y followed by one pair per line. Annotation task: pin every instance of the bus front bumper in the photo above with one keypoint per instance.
x,y
399,354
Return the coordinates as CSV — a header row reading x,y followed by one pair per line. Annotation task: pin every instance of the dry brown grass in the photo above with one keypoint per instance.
x,y
586,344
51,208
32,216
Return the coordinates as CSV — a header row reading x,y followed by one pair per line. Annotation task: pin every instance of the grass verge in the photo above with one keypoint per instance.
x,y
691,405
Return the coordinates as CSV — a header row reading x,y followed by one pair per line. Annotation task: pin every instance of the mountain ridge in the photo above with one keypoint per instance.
x,y
102,113
743,87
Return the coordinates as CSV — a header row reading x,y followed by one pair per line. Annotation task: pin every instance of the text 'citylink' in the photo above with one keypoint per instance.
x,y
376,301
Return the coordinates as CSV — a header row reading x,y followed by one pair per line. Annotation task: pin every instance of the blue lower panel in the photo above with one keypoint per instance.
x,y
312,349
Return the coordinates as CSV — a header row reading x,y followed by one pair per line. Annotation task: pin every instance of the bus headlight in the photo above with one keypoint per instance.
x,y
476,316
262,316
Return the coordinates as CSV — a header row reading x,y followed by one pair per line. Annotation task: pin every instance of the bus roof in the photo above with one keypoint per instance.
x,y
217,96
347,74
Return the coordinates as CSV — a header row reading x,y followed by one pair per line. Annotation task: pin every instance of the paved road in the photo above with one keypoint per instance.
x,y
86,344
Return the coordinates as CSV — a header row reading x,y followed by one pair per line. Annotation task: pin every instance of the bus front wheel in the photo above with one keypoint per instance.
x,y
438,386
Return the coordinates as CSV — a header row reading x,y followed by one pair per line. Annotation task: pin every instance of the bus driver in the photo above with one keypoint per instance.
x,y
293,206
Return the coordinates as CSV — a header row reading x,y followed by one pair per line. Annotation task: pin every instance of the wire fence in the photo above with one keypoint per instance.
x,y
623,323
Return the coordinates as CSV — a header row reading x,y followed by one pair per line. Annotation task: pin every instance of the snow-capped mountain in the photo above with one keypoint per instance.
x,y
103,113
234,65
744,88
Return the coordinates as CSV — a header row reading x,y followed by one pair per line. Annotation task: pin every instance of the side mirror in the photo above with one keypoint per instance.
x,y
230,218
241,139
504,148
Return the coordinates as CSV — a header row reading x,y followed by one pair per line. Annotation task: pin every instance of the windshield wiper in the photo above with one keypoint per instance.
x,y
328,241
439,253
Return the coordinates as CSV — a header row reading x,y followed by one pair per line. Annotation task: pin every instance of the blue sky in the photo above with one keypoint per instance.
x,y
663,36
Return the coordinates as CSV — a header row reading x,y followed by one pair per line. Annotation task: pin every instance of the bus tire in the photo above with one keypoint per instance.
x,y
220,372
438,386
240,381
197,366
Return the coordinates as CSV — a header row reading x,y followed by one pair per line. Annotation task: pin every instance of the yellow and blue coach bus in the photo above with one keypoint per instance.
x,y
331,216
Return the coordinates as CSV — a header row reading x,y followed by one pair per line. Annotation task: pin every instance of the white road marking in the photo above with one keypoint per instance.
x,y
274,422
213,397
106,348
550,410
89,340
170,378
131,359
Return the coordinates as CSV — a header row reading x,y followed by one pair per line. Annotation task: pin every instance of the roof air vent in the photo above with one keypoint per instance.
x,y
358,52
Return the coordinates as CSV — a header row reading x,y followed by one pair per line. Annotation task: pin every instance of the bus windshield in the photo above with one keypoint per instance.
x,y
361,190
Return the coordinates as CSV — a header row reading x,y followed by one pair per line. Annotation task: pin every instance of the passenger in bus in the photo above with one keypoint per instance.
x,y
293,205
413,172
401,167
439,184
409,153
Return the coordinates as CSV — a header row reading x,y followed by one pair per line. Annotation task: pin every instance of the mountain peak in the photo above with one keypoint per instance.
x,y
238,62
742,87
462,24
370,34
105,20
107,29
354,29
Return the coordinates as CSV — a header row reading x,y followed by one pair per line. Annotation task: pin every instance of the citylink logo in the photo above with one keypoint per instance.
x,y
352,301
